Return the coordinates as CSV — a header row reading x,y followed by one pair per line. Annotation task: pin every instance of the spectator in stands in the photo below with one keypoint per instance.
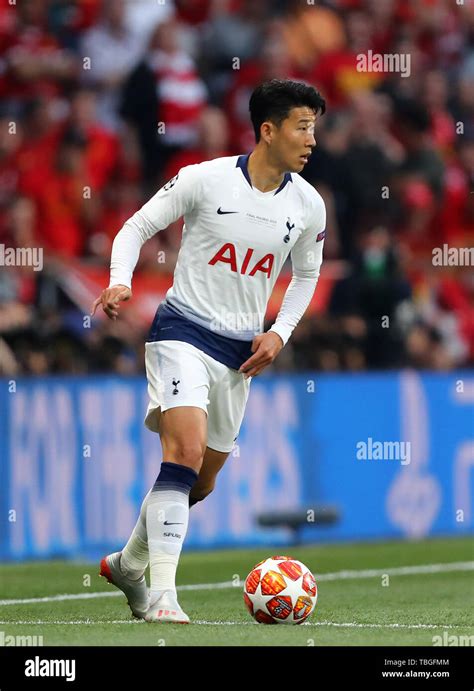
x,y
231,38
34,64
372,293
102,100
11,136
435,98
101,144
58,192
109,51
182,95
272,61
212,142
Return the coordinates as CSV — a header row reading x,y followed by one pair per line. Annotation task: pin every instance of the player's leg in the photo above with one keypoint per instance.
x,y
183,433
184,442
228,394
159,533
126,569
177,381
212,463
228,397
178,384
135,555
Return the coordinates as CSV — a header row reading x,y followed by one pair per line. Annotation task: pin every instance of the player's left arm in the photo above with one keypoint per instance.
x,y
306,258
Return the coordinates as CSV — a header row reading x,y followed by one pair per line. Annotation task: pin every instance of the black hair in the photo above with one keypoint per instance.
x,y
274,99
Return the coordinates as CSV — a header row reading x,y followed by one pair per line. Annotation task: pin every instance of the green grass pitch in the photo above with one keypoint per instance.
x,y
359,610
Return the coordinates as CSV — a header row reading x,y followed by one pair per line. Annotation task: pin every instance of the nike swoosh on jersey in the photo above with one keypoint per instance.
x,y
220,212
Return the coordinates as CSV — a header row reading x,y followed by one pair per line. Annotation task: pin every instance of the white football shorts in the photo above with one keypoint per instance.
x,y
179,374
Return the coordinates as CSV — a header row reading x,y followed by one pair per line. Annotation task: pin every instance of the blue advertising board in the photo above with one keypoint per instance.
x,y
393,451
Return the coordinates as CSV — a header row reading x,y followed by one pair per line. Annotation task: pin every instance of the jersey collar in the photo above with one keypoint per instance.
x,y
243,163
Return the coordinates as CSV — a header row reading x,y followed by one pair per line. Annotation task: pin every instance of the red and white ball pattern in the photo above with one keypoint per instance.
x,y
280,590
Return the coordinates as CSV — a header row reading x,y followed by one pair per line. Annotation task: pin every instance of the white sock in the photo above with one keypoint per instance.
x,y
135,554
167,515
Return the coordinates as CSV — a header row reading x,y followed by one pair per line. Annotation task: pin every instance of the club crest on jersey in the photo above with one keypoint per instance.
x,y
228,255
290,228
171,183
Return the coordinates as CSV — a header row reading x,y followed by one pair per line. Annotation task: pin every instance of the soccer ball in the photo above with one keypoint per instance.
x,y
280,590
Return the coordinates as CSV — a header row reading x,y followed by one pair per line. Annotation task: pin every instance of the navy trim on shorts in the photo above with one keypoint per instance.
x,y
170,325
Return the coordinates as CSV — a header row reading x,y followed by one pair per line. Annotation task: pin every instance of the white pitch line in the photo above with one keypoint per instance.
x,y
398,571
343,624
200,622
88,622
60,598
336,576
387,626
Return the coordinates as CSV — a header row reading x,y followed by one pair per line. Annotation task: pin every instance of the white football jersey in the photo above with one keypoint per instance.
x,y
234,244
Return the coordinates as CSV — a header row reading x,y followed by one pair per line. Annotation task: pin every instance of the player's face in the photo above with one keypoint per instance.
x,y
294,140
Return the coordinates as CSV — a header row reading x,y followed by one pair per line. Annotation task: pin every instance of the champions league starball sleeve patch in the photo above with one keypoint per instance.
x,y
321,235
171,183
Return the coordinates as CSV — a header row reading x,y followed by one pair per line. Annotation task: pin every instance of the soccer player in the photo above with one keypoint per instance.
x,y
243,216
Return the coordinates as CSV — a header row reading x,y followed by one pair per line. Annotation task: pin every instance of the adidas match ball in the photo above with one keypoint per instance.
x,y
280,590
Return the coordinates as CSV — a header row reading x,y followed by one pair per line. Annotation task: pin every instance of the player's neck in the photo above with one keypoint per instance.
x,y
264,174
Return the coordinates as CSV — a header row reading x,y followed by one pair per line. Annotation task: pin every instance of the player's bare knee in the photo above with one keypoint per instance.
x,y
190,454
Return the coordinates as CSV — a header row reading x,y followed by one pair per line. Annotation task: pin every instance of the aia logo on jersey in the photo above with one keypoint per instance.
x,y
171,183
250,265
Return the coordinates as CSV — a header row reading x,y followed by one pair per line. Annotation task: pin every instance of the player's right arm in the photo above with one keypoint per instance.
x,y
175,199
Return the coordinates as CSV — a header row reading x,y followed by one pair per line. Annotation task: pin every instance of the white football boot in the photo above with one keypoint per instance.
x,y
136,591
166,609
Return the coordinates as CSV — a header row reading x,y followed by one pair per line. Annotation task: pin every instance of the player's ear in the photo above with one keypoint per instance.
x,y
266,132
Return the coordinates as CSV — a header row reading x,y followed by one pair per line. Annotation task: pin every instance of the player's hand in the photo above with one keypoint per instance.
x,y
265,348
110,299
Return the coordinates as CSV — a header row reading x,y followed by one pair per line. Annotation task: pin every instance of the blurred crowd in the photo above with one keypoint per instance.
x,y
104,100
